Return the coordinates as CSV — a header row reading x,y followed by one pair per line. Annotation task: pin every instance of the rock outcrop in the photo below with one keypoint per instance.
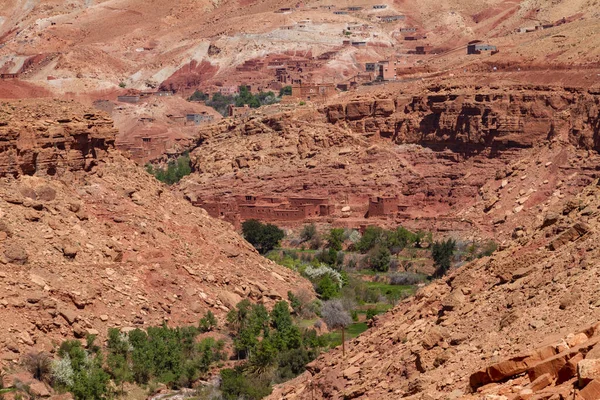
x,y
52,136
471,119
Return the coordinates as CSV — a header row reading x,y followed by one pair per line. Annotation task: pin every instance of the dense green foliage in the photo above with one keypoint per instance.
x,y
208,322
80,371
237,385
442,253
285,91
335,239
378,258
221,102
275,349
175,170
167,355
264,237
394,240
198,96
327,288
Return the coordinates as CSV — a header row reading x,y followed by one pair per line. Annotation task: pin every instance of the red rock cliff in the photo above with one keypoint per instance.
x,y
45,137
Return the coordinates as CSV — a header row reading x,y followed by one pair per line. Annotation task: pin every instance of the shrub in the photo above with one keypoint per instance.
x,y
285,91
371,312
488,249
316,273
198,96
264,237
39,365
208,322
442,253
308,232
327,288
335,239
296,303
378,259
80,372
220,103
373,235
235,385
316,243
174,171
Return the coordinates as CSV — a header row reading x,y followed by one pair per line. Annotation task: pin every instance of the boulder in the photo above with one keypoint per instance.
x,y
453,300
229,299
587,371
69,250
384,107
68,315
508,368
45,193
541,382
570,369
39,389
15,253
431,339
591,391
358,110
550,219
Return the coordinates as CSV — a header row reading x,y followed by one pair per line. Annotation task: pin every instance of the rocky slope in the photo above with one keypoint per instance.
x,y
89,240
516,325
462,158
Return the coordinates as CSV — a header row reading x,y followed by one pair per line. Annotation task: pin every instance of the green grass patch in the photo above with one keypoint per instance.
x,y
334,339
356,329
396,291
307,323
380,308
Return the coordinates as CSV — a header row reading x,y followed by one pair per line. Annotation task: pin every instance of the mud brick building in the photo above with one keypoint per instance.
x,y
383,206
313,91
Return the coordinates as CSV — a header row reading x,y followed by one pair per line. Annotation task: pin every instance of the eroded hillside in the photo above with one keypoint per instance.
x,y
89,240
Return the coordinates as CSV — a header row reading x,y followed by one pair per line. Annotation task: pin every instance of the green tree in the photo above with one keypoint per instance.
x,y
335,239
442,253
235,385
264,237
208,322
173,172
327,288
285,91
378,258
88,379
198,96
308,232
373,236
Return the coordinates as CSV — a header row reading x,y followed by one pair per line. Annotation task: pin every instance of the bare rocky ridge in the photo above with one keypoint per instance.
x,y
87,249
